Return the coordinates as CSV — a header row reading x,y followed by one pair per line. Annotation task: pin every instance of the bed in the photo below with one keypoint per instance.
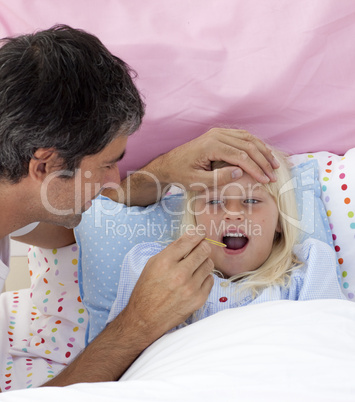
x,y
282,70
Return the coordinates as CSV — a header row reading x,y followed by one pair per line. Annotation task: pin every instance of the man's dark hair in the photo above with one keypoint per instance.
x,y
61,88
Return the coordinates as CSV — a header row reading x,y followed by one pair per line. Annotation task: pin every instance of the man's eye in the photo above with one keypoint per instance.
x,y
250,201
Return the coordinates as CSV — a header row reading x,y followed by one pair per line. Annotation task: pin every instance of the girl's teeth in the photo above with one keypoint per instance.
x,y
234,235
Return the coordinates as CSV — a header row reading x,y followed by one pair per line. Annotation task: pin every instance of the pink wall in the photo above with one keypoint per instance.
x,y
283,69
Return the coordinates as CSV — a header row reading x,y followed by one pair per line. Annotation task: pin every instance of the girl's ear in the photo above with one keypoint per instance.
x,y
278,229
44,162
277,235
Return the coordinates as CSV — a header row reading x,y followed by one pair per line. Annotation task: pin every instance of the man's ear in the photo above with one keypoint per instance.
x,y
44,162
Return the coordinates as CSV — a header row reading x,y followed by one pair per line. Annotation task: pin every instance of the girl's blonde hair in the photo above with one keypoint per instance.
x,y
281,261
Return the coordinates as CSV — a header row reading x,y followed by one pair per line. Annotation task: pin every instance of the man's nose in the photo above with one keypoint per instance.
x,y
113,179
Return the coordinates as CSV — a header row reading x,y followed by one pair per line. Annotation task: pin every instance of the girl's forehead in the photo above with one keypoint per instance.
x,y
246,183
237,188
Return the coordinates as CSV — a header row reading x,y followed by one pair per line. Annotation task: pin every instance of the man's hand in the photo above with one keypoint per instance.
x,y
174,283
189,165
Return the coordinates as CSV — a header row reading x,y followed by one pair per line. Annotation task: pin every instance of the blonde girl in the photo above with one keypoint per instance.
x,y
228,215
260,259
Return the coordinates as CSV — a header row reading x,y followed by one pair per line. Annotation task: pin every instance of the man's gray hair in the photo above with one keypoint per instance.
x,y
61,88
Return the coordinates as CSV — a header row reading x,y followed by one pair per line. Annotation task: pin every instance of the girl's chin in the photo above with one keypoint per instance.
x,y
228,269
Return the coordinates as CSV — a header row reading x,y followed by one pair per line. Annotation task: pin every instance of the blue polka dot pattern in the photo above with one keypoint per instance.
x,y
105,235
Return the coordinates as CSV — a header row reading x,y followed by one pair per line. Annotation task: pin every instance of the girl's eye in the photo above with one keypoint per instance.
x,y
250,201
214,202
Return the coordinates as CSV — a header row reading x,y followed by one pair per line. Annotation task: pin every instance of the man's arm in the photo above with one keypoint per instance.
x,y
189,166
169,290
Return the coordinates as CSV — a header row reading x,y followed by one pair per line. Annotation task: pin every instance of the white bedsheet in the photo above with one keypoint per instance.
x,y
276,351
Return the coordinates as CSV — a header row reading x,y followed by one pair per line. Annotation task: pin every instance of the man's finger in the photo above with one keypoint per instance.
x,y
206,287
204,270
229,137
249,158
235,146
184,245
227,174
197,257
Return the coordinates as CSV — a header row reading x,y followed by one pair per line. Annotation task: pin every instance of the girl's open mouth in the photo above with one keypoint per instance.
x,y
235,241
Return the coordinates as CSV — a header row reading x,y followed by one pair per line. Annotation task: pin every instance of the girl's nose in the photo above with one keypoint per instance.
x,y
233,213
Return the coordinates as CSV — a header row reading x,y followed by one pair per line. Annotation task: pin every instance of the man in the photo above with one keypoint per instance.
x,y
67,107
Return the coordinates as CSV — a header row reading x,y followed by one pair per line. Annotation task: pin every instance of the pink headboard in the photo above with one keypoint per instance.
x,y
284,70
